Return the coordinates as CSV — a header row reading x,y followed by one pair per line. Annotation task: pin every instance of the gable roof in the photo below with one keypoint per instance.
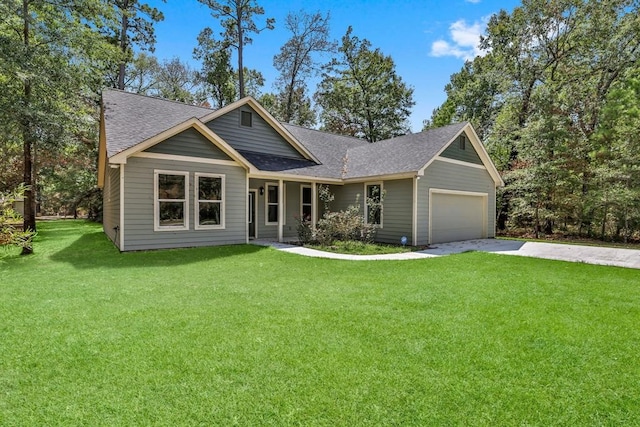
x,y
403,154
130,118
132,122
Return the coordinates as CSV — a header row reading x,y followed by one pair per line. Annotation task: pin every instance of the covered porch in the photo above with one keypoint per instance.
x,y
276,206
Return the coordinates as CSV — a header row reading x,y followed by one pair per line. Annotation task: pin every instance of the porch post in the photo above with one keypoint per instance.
x,y
414,216
280,209
314,205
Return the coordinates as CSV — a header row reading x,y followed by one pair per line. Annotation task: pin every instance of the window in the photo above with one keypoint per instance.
x,y
272,204
305,203
373,204
171,194
246,118
209,201
463,142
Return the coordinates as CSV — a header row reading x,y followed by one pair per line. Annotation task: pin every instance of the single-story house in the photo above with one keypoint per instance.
x,y
178,175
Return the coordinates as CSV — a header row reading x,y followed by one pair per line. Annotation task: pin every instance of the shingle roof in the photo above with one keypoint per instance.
x,y
408,153
131,119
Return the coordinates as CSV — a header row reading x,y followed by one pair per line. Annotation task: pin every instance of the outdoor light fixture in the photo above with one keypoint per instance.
x,y
262,191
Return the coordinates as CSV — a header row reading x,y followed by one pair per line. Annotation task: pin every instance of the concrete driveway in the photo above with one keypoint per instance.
x,y
629,258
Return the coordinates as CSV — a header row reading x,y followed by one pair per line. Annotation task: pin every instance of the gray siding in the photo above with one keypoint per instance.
x,y
189,143
454,177
469,154
111,204
292,210
397,207
261,137
139,231
397,211
347,195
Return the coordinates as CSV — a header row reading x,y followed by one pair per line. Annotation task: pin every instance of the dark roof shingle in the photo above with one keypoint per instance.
x,y
131,119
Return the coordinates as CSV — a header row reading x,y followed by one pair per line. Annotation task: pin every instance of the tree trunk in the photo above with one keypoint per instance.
x,y
240,49
123,44
27,143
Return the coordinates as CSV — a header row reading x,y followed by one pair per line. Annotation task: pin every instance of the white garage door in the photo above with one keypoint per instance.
x,y
456,216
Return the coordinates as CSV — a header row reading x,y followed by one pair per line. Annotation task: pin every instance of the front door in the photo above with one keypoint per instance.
x,y
252,214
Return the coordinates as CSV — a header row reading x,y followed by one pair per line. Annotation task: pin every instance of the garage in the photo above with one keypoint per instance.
x,y
457,215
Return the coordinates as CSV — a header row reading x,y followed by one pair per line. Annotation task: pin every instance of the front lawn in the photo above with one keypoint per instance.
x,y
247,335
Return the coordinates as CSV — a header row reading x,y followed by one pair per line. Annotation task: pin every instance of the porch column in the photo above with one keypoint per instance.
x,y
314,205
280,209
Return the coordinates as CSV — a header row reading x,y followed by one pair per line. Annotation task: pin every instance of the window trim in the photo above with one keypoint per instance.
x,y
366,208
197,201
302,203
156,201
462,143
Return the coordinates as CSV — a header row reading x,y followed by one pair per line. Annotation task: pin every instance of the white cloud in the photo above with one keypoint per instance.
x,y
465,39
473,1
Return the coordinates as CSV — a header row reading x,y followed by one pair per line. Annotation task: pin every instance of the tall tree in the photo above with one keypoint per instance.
x,y
134,28
177,81
142,74
361,95
216,74
47,48
238,23
295,62
537,99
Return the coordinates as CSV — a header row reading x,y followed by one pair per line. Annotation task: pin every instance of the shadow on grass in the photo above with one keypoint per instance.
x,y
94,250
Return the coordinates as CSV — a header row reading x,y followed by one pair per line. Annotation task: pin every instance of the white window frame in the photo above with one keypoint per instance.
x,y
366,207
266,203
156,201
303,204
197,201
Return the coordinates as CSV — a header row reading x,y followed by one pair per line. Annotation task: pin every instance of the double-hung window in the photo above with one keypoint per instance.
x,y
171,210
373,204
305,203
209,201
272,204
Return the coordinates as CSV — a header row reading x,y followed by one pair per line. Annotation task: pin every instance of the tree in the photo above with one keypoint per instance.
x,y
537,98
253,81
216,74
361,95
141,74
295,62
237,21
47,48
616,157
178,81
134,27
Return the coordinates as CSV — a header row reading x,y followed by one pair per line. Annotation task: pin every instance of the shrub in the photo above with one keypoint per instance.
x,y
10,233
344,225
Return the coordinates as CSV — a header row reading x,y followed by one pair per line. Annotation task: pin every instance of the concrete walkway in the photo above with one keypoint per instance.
x,y
629,258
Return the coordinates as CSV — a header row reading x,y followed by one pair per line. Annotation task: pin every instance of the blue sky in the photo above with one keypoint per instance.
x,y
428,40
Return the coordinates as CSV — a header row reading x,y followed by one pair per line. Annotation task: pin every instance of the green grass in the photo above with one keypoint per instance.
x,y
245,335
352,247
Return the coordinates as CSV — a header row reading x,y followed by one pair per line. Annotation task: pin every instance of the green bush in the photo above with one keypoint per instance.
x,y
344,225
10,221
